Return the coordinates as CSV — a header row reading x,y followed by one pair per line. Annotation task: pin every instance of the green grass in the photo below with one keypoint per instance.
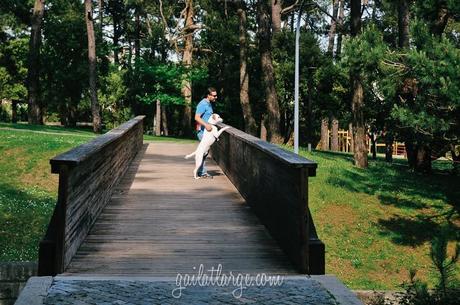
x,y
28,190
377,222
82,131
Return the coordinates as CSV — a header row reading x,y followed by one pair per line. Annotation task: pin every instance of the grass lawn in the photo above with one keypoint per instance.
x,y
51,129
28,190
377,223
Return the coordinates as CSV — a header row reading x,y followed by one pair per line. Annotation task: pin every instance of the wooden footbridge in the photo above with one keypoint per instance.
x,y
129,208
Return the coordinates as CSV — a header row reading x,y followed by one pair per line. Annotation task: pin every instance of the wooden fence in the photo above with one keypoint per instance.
x,y
345,143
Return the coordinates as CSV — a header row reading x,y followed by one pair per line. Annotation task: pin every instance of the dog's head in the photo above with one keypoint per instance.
x,y
214,119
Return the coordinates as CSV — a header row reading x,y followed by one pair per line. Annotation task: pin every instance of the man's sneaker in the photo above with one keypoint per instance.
x,y
206,176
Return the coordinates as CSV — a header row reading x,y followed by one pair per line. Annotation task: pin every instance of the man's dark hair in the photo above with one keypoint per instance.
x,y
210,90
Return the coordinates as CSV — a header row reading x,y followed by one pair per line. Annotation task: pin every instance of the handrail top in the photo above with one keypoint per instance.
x,y
289,158
82,152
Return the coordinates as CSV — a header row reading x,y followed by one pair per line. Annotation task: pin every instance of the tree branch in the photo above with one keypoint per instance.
x,y
324,11
204,50
289,8
165,24
193,28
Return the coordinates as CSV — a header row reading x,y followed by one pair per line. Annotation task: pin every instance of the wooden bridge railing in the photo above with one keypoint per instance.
x,y
274,182
87,177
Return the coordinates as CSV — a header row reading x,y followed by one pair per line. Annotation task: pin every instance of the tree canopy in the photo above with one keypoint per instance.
x,y
391,68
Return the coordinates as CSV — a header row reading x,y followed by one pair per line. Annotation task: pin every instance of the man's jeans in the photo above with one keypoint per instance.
x,y
202,169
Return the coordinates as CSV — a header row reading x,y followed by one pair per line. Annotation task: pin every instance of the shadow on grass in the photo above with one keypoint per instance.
x,y
49,128
388,181
333,156
24,217
402,203
409,231
396,185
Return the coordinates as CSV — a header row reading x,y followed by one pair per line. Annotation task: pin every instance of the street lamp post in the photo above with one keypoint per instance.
x,y
296,83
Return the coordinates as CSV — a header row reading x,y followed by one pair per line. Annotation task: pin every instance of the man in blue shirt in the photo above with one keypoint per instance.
x,y
202,115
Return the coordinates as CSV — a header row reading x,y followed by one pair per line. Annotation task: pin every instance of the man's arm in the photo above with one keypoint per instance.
x,y
202,122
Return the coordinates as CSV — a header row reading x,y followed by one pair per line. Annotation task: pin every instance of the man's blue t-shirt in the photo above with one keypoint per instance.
x,y
204,110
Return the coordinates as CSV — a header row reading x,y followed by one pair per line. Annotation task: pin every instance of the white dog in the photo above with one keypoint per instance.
x,y
209,137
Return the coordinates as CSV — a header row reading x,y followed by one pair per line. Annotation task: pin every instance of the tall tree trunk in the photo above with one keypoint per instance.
x,y
418,155
332,30
288,132
411,153
164,120
355,27
263,128
95,108
130,55
403,42
339,29
403,23
455,160
101,18
283,126
352,143
325,134
14,111
116,31
359,130
187,62
249,121
423,159
335,135
276,15
439,25
158,118
137,38
268,73
115,45
72,111
310,117
373,145
389,139
62,109
374,11
35,115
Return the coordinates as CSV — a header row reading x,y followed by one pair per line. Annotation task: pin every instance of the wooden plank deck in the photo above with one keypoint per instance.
x,y
161,221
